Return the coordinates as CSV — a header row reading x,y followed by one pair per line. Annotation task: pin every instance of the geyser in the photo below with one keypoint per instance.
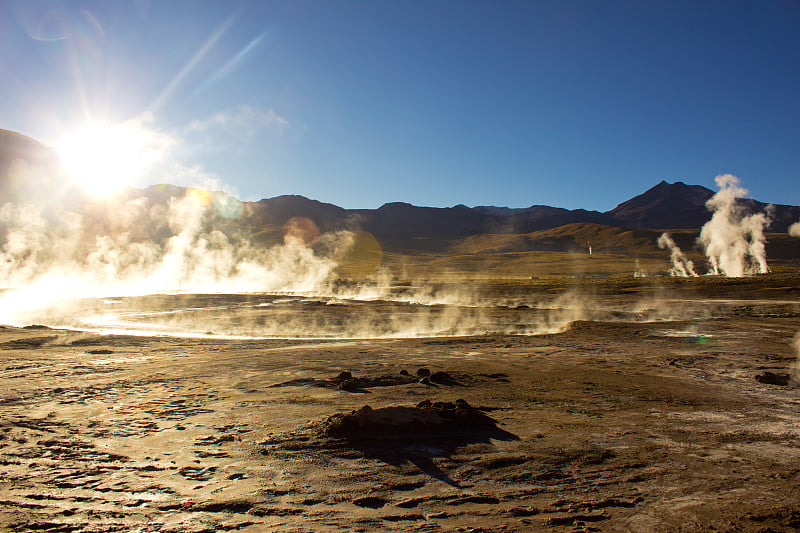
x,y
733,242
681,265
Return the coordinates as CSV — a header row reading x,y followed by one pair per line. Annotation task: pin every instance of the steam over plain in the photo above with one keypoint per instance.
x,y
176,358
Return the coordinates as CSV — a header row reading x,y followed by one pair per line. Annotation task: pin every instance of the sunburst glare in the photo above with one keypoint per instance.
x,y
104,158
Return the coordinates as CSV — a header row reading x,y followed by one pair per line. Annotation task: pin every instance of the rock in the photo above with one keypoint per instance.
x,y
349,385
372,502
423,372
440,377
426,417
771,378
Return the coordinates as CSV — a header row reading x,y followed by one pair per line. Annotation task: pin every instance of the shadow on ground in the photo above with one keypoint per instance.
x,y
398,435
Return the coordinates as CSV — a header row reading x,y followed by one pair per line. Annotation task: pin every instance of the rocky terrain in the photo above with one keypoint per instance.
x,y
683,424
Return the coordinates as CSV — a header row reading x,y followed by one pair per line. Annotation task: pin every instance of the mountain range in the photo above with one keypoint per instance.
x,y
406,228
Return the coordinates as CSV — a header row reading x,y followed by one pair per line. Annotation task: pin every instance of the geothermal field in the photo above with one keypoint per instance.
x,y
364,266
633,404
160,373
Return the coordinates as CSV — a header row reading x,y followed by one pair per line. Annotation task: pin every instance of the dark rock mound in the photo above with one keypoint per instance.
x,y
346,381
371,502
396,421
770,378
442,378
400,434
396,435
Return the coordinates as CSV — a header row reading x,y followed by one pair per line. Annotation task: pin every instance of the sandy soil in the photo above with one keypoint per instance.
x,y
605,427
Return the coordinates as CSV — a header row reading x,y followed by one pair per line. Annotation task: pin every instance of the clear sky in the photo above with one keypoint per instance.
x,y
442,102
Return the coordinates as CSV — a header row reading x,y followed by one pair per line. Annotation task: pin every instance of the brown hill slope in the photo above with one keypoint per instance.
x,y
781,248
576,237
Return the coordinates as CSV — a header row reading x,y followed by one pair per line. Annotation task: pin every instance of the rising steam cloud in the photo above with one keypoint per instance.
x,y
734,244
682,266
794,229
135,246
125,258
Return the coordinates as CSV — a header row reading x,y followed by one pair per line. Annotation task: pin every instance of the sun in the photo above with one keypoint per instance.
x,y
105,158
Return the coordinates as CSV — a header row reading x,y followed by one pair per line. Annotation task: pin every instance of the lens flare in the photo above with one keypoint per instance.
x,y
199,196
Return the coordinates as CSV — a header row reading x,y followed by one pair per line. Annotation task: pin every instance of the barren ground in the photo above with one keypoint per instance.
x,y
656,426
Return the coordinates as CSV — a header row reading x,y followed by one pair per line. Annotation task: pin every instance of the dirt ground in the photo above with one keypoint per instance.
x,y
657,426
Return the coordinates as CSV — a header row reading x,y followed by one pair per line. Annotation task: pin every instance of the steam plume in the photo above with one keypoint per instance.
x,y
734,244
130,247
794,229
682,266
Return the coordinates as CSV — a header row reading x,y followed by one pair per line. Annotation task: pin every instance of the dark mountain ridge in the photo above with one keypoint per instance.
x,y
667,205
27,168
681,206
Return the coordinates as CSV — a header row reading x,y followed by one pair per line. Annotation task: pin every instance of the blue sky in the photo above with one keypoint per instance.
x,y
565,103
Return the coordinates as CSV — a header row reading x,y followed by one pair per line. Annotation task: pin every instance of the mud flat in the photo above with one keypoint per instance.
x,y
606,426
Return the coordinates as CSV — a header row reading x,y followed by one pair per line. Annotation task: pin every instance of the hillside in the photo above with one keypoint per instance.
x,y
677,205
667,205
576,237
29,172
